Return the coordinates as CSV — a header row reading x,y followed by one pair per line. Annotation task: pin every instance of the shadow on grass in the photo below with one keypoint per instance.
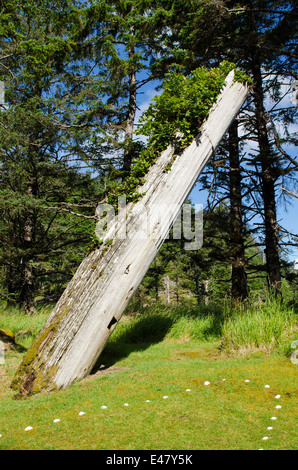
x,y
138,335
147,329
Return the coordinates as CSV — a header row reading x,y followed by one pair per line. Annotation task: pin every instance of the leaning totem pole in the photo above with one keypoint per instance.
x,y
88,311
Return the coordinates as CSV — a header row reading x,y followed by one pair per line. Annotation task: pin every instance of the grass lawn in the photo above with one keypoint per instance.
x,y
232,412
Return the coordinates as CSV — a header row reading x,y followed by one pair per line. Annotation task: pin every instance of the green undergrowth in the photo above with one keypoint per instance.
x,y
215,400
264,326
174,117
25,327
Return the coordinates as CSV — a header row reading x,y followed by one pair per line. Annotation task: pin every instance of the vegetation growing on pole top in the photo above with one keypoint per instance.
x,y
174,117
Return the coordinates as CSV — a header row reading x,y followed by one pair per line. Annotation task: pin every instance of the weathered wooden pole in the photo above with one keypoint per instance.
x,y
88,311
2,93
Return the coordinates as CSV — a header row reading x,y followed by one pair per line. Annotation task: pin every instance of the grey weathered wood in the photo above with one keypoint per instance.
x,y
2,99
93,302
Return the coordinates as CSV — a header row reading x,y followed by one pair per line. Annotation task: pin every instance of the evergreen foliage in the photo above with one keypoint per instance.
x,y
174,117
73,73
40,191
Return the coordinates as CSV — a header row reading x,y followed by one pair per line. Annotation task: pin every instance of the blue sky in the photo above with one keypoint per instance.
x,y
287,217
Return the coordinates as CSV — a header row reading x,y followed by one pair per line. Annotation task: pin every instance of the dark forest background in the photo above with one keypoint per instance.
x,y
74,74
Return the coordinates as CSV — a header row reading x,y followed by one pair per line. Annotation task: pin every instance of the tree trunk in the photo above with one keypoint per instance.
x,y
12,278
206,291
167,285
239,278
91,306
27,289
131,114
128,139
196,276
268,184
267,167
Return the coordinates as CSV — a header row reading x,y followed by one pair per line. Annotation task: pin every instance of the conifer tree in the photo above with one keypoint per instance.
x,y
37,184
260,37
118,51
266,55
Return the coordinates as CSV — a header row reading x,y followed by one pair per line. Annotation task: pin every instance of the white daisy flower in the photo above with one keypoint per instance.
x,y
103,407
278,407
273,418
265,438
81,413
270,428
57,420
188,390
277,396
147,401
166,396
267,386
206,383
246,380
28,428
126,404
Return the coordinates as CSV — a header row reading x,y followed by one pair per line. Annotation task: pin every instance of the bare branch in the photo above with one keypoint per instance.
x,y
277,143
289,192
64,209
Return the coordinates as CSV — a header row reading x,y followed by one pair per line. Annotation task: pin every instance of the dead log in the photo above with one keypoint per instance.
x,y
91,306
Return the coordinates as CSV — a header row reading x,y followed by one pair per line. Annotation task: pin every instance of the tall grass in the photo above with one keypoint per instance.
x,y
25,327
166,322
266,326
243,329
